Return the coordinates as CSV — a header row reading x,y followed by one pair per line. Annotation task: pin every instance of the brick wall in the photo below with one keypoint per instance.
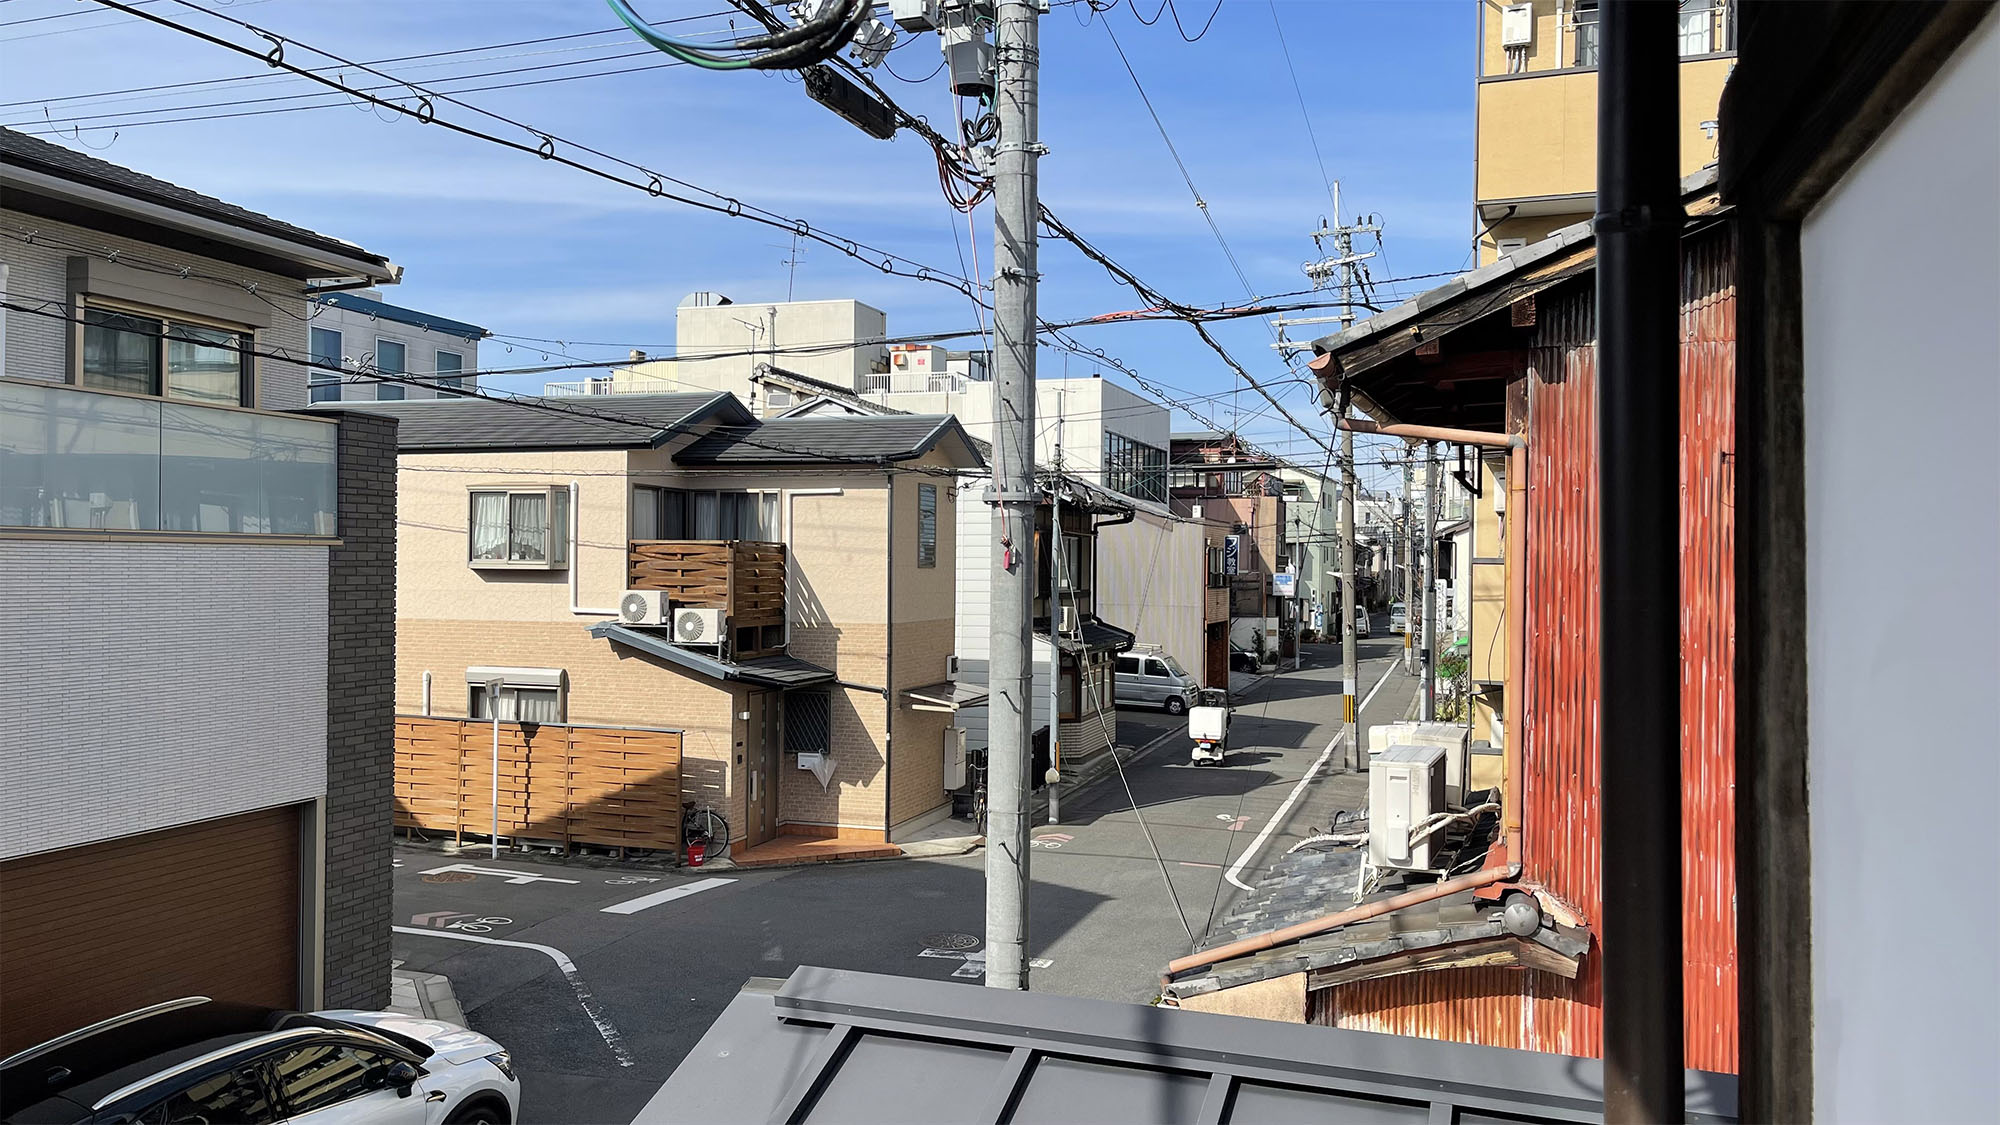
x,y
360,717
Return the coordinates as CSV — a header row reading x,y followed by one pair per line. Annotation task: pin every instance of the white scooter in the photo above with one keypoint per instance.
x,y
1208,726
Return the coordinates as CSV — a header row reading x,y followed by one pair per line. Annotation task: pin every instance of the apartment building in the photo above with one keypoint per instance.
x,y
357,338
809,698
1221,479
195,624
1535,147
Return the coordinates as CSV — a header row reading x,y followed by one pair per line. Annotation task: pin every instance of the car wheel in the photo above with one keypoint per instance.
x,y
1176,705
478,1113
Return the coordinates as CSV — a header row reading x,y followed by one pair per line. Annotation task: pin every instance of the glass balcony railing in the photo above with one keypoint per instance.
x,y
82,460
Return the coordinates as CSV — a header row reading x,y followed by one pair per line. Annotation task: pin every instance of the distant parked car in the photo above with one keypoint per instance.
x,y
200,1060
1150,677
1242,660
1361,621
1399,618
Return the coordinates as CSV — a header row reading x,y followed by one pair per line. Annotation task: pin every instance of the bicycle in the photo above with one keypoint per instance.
x,y
705,824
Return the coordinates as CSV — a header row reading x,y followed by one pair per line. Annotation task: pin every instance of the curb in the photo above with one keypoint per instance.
x,y
427,995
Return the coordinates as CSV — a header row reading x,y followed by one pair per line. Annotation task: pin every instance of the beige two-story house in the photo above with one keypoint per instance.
x,y
808,697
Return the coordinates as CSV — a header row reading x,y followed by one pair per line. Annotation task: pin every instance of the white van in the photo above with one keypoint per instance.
x,y
1151,678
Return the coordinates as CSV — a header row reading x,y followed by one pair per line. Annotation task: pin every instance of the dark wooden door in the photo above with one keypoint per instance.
x,y
766,751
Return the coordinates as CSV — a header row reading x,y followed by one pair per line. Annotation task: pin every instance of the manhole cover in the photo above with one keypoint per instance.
x,y
951,941
451,877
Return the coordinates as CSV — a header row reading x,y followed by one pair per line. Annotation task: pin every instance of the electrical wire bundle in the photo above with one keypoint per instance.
x,y
794,48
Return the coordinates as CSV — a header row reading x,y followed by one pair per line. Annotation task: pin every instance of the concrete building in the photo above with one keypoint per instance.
x,y
357,337
195,623
1535,152
816,709
1220,479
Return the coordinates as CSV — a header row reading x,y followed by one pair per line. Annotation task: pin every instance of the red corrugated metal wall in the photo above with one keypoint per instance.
x,y
1560,755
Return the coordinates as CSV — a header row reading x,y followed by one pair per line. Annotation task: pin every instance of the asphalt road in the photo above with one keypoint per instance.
x,y
598,1007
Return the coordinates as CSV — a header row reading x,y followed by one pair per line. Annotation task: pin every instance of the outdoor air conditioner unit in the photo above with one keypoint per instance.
x,y
697,626
1405,786
644,607
954,758
1517,25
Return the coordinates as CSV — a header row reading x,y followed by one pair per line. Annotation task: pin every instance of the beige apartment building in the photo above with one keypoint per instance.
x,y
813,702
1535,148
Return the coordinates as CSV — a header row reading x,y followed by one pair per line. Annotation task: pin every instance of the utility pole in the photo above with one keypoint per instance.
x,y
1345,263
1428,654
1011,712
1058,578
1409,574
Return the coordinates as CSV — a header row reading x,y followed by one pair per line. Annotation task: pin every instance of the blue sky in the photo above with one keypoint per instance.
x,y
537,250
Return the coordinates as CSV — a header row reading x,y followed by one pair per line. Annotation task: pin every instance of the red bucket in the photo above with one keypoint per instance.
x,y
696,850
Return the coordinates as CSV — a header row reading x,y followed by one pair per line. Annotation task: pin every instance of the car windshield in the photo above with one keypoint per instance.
x,y
1173,666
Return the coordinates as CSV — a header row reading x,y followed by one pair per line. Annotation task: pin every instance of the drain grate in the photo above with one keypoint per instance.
x,y
951,941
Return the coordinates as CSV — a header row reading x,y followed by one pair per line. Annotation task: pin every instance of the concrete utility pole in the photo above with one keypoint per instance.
x,y
1409,574
1428,654
1347,265
1009,759
1058,578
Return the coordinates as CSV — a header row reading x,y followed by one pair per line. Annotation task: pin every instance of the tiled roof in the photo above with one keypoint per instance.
x,y
629,422
854,438
23,151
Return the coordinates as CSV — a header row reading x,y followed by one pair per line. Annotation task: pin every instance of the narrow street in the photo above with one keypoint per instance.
x,y
598,1005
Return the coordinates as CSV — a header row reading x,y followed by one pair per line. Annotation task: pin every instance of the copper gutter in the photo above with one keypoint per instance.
x,y
1336,920
1514,608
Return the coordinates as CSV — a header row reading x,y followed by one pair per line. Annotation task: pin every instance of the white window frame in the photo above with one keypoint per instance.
x,y
438,375
927,537
320,374
555,526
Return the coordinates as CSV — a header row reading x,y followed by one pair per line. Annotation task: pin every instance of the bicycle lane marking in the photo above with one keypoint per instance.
x,y
592,1010
646,902
1292,798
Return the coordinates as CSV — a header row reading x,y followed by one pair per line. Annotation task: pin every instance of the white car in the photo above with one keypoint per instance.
x,y
197,1060
1361,621
1399,618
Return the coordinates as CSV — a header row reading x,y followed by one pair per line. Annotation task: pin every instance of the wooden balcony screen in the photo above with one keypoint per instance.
x,y
743,578
577,785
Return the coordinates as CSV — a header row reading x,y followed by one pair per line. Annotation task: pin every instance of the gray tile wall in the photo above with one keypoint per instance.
x,y
361,717
149,685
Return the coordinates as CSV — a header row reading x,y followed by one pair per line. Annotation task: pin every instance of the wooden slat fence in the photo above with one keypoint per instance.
x,y
743,578
611,787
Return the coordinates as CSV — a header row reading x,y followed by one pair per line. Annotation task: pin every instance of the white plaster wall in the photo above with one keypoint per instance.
x,y
1902,299
359,333
156,684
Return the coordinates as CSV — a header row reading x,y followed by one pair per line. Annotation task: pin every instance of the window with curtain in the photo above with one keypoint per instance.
x,y
149,355
927,525
520,527
390,359
1698,26
672,513
519,704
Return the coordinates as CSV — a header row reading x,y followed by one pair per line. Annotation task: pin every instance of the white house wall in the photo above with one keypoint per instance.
x,y
360,332
1901,267
157,684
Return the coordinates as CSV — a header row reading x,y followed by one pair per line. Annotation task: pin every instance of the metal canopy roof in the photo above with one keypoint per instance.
x,y
837,438
767,671
432,425
835,1046
946,696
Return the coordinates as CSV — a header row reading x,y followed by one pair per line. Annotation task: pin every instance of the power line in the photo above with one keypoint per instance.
x,y
546,148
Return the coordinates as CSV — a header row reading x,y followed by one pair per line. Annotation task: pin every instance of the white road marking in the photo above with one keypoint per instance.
x,y
516,877
591,1008
1285,809
643,902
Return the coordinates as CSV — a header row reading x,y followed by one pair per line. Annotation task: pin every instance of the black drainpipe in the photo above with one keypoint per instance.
x,y
1638,223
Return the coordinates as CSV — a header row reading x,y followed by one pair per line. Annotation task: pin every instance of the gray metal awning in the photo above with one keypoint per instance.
x,y
947,696
767,671
1096,636
835,1046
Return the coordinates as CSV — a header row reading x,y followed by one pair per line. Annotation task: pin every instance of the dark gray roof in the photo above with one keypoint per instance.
x,y
850,438
369,306
23,151
1097,636
835,1046
628,422
769,671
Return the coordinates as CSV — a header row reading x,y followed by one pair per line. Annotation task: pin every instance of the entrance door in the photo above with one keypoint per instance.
x,y
766,755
